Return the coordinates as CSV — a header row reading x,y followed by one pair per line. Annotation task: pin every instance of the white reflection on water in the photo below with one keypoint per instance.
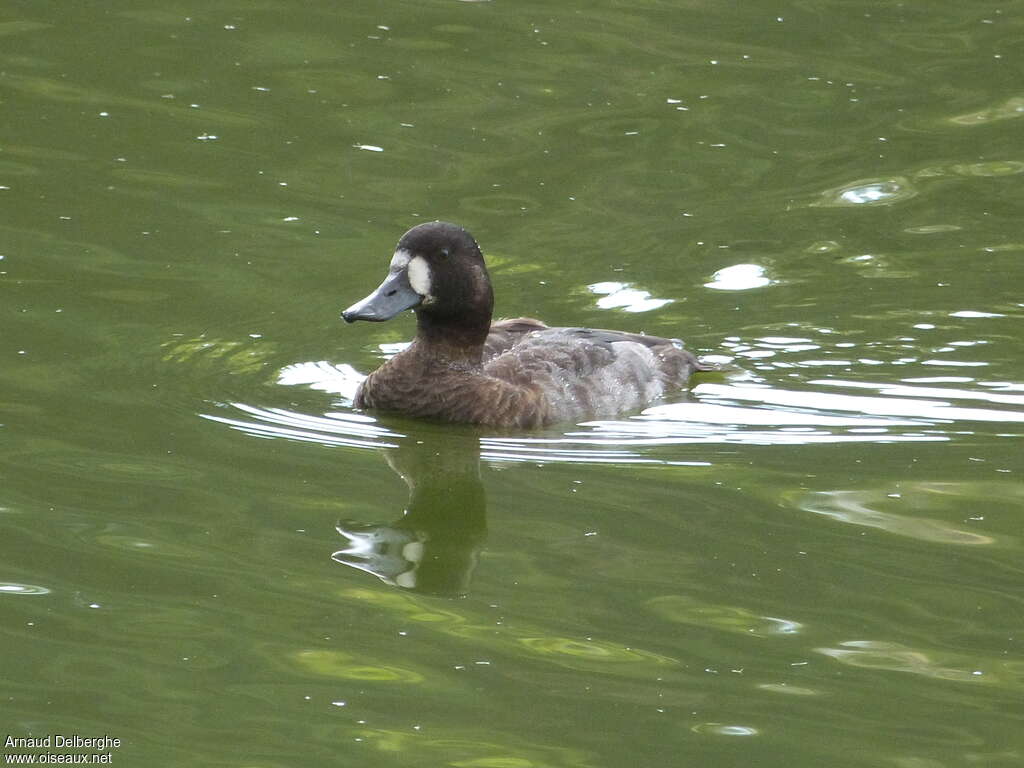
x,y
722,729
350,429
929,411
715,414
1009,109
879,654
739,277
624,296
859,508
340,379
684,609
13,588
974,313
868,192
902,390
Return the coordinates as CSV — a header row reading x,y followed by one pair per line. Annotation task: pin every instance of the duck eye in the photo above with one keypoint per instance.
x,y
445,253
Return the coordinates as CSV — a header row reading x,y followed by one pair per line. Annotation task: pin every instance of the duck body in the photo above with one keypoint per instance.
x,y
520,373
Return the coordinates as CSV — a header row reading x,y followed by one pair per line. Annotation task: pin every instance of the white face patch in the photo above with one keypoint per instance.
x,y
419,275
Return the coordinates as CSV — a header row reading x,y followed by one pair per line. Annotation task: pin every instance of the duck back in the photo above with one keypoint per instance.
x,y
583,373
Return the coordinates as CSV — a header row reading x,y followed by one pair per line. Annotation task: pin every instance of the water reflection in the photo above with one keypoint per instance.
x,y
11,588
898,189
1007,110
349,429
859,507
739,277
683,609
717,413
615,295
434,545
879,654
868,192
723,729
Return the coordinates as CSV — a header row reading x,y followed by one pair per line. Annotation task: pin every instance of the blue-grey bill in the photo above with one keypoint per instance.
x,y
394,295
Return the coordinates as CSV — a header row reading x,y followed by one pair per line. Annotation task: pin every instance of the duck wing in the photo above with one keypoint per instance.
x,y
587,372
505,334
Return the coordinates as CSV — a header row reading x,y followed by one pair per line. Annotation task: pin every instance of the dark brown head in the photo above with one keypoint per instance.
x,y
438,271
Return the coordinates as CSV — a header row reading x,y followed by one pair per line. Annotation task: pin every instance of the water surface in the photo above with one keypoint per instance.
x,y
811,558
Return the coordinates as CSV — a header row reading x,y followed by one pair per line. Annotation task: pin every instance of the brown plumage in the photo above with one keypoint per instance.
x,y
512,373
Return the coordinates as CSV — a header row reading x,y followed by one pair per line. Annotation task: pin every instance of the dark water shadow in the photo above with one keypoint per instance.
x,y
433,546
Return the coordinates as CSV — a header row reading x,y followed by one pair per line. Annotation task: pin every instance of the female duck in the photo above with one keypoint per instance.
x,y
512,373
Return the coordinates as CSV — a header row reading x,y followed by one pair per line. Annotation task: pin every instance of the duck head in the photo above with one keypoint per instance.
x,y
438,271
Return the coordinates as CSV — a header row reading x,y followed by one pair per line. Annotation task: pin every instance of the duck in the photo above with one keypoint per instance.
x,y
464,367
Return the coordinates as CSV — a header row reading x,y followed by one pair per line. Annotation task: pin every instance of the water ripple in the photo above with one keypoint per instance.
x,y
868,192
11,588
857,508
875,654
343,429
714,414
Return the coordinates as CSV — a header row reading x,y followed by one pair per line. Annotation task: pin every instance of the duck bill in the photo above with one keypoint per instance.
x,y
393,296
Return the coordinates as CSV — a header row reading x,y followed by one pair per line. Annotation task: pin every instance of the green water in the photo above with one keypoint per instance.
x,y
811,559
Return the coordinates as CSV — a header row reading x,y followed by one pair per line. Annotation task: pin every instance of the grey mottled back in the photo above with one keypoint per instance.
x,y
585,373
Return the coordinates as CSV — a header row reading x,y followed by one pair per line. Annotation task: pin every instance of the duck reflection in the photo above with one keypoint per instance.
x,y
434,546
